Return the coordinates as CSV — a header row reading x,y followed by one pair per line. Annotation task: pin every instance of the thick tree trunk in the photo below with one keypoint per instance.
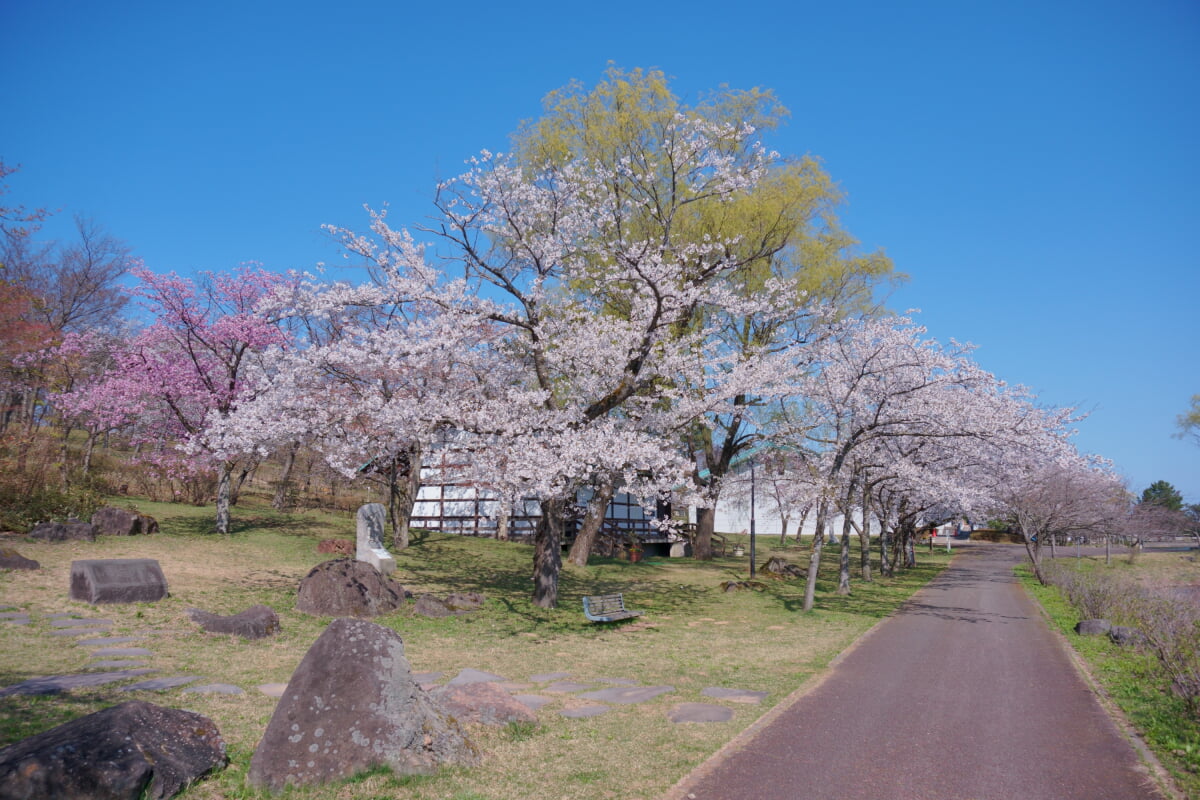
x,y
547,555
706,521
224,478
88,449
864,534
783,526
1035,559
593,520
885,564
235,491
279,501
404,482
814,562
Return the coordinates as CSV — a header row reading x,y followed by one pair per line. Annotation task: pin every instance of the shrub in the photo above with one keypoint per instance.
x,y
22,507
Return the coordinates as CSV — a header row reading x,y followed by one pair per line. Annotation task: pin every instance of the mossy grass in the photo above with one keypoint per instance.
x,y
1133,678
691,636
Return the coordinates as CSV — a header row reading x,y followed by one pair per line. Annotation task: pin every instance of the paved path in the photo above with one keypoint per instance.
x,y
965,694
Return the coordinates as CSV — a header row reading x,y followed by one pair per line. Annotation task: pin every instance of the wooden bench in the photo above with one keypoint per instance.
x,y
607,608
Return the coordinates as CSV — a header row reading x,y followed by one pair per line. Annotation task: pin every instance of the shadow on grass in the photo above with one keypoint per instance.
x,y
22,716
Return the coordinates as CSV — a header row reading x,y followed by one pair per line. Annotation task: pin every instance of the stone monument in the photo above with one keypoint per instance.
x,y
371,520
117,580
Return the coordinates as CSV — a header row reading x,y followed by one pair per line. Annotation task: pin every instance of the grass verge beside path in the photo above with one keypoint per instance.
x,y
1134,681
692,636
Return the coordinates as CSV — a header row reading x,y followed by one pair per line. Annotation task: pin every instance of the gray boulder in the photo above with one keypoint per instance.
x,y
63,532
482,703
348,588
1126,636
256,622
351,705
111,521
11,559
1093,627
132,750
117,580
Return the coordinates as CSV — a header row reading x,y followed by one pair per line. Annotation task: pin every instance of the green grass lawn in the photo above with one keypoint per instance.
x,y
693,635
1130,677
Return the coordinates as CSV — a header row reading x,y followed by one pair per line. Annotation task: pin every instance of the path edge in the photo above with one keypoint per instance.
x,y
701,771
1159,774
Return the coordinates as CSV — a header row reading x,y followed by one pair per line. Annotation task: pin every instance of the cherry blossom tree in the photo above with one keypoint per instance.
x,y
187,370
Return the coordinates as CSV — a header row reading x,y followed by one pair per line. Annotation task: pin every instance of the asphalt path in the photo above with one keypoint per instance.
x,y
965,694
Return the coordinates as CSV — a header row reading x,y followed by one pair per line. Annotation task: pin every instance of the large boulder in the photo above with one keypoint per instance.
x,y
132,750
63,532
256,622
11,559
1093,627
348,588
351,705
112,521
483,703
117,580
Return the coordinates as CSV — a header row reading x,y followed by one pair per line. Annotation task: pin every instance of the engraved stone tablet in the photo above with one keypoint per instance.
x,y
117,580
371,519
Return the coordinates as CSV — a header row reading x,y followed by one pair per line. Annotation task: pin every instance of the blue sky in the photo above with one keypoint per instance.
x,y
1031,165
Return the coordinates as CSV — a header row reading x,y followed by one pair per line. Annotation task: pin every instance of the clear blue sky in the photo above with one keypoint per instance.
x,y
1033,166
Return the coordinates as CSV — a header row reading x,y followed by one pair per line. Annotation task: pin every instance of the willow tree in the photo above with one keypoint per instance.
x,y
781,231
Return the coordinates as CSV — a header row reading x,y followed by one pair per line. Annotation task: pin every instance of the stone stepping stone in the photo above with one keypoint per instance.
x,y
547,677
425,678
583,712
63,615
567,687
734,695
699,712
160,684
214,688
16,621
534,701
80,623
273,689
107,640
77,631
54,684
475,676
628,694
114,664
7,615
120,651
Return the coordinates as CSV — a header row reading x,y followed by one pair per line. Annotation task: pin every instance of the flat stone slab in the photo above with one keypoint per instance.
x,y
475,676
14,614
160,684
534,701
214,688
114,664
547,677
734,695
54,684
16,621
567,687
699,712
583,712
106,640
628,694
117,580
273,689
104,652
79,622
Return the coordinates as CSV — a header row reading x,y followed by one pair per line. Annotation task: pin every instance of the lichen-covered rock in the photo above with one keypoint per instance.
x,y
11,559
352,704
256,622
348,588
132,750
63,532
112,521
483,703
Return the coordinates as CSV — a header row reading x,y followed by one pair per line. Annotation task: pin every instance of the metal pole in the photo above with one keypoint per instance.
x,y
752,486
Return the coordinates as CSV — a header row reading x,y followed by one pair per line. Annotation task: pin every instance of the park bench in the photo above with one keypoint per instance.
x,y
607,608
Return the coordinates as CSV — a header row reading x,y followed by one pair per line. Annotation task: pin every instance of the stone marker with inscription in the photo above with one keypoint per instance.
x,y
117,580
371,519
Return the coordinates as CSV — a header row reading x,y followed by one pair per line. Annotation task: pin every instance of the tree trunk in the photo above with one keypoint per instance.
x,y
706,521
885,564
844,559
547,555
814,562
783,526
404,482
593,520
279,501
1035,558
88,449
1108,549
235,491
864,534
224,478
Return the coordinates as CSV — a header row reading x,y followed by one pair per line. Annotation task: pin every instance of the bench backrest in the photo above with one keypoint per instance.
x,y
602,604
